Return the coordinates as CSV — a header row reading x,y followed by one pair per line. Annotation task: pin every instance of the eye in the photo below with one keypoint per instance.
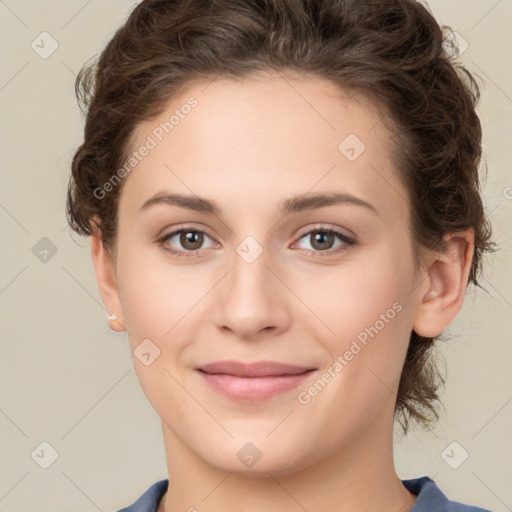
x,y
321,240
190,239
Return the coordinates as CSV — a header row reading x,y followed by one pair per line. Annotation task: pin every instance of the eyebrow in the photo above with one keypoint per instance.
x,y
292,205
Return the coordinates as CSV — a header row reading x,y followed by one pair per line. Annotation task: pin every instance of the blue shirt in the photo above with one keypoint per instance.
x,y
430,498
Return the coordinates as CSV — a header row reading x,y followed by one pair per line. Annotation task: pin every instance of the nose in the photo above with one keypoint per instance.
x,y
252,302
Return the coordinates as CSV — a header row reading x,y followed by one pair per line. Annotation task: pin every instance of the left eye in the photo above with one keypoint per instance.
x,y
322,239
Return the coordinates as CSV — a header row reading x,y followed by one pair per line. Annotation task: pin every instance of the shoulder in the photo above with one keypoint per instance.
x,y
431,498
148,501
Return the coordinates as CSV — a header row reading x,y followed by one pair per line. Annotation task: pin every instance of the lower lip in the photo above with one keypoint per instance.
x,y
253,389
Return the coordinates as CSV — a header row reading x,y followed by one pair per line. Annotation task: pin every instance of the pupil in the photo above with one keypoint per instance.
x,y
322,236
191,237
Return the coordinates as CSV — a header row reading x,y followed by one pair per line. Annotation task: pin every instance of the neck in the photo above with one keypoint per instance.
x,y
359,476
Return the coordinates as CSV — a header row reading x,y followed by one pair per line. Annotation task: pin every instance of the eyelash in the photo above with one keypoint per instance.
x,y
348,242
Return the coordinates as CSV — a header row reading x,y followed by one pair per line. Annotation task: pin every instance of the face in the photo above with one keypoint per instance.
x,y
265,272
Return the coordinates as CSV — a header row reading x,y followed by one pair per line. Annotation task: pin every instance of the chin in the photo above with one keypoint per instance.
x,y
258,459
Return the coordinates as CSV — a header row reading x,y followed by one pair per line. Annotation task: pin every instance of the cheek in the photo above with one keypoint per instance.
x,y
159,298
349,298
371,320
367,310
147,310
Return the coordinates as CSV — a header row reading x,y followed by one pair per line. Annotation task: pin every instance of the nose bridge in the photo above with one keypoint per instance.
x,y
250,274
250,300
249,280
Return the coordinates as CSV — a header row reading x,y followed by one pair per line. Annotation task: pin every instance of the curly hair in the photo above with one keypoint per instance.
x,y
391,52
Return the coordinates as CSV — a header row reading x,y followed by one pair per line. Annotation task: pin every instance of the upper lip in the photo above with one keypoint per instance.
x,y
255,369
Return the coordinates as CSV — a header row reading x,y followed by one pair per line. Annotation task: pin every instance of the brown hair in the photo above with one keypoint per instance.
x,y
389,51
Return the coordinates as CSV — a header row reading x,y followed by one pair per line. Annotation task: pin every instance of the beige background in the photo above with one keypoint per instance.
x,y
68,380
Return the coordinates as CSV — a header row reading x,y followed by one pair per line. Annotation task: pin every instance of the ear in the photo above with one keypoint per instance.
x,y
104,268
443,291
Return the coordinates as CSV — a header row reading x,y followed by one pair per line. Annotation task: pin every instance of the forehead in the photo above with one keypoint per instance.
x,y
278,133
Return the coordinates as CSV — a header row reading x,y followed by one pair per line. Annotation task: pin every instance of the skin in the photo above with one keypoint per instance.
x,y
248,146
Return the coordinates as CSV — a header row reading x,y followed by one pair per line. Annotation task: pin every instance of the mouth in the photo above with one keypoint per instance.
x,y
255,369
253,382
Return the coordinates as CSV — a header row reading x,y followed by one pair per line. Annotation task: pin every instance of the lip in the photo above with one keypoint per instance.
x,y
253,382
256,369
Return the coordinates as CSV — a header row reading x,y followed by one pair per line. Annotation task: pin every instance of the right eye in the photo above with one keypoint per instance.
x,y
190,239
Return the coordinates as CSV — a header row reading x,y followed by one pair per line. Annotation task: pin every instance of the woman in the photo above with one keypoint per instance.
x,y
226,142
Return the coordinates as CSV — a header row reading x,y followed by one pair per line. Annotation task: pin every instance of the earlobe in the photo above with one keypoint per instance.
x,y
106,280
442,295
